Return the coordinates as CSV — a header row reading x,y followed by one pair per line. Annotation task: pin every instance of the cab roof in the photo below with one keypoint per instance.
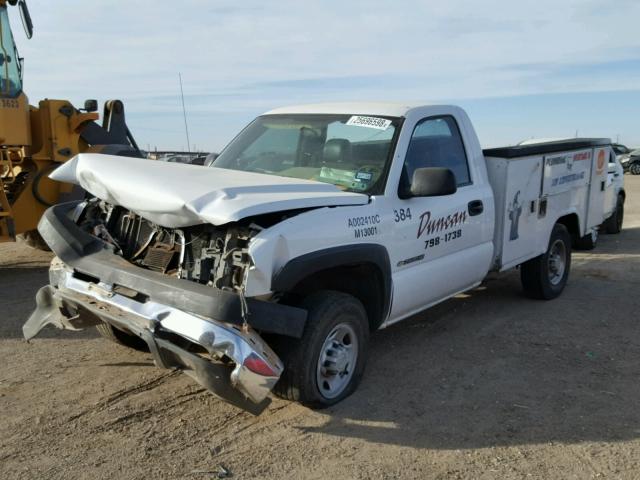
x,y
382,109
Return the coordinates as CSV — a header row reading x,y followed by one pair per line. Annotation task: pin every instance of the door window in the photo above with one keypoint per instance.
x,y
436,142
10,76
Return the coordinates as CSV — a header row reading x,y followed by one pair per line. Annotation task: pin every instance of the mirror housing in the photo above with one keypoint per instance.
x,y
26,18
432,182
91,105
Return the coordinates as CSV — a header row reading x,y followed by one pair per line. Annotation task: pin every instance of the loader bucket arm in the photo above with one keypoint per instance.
x,y
114,131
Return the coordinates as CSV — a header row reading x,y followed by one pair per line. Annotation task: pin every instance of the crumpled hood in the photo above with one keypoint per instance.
x,y
177,195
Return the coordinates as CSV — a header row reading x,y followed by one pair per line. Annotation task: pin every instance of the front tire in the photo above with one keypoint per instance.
x,y
545,276
326,365
634,168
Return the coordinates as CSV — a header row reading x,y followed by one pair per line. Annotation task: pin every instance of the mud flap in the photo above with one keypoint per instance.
x,y
49,311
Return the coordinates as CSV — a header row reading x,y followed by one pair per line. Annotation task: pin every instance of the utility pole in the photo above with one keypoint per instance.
x,y
184,113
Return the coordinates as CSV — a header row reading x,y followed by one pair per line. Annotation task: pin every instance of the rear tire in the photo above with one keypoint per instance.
x,y
326,365
613,224
33,239
545,276
122,338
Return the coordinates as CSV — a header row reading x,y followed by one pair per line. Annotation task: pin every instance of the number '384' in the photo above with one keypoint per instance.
x,y
402,214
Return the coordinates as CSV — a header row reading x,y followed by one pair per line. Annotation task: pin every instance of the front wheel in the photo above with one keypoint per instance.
x,y
634,169
545,276
327,363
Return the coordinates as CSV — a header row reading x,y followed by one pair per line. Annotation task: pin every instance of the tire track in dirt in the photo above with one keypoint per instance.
x,y
122,394
153,410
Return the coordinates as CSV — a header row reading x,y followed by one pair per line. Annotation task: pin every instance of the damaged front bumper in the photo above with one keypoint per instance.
x,y
188,326
240,367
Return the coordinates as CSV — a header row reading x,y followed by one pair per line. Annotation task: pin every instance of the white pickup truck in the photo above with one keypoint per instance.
x,y
314,227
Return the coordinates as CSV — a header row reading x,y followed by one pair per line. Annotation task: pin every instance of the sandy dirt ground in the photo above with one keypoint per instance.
x,y
487,385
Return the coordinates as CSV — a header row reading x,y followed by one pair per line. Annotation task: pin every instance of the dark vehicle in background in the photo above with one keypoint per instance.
x,y
631,162
628,158
192,158
620,149
199,160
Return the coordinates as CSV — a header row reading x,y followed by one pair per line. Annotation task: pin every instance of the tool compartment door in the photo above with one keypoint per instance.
x,y
521,224
599,189
565,185
566,171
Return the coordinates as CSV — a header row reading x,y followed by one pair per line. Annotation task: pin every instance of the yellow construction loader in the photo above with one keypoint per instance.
x,y
35,140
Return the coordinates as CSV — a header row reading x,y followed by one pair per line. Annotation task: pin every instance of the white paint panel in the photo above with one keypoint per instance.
x,y
598,191
565,171
521,220
414,289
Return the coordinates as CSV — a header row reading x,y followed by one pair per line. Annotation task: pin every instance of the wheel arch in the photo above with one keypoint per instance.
x,y
572,222
361,270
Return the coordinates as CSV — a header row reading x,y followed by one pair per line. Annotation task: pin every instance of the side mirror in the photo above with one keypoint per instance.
x,y
91,105
432,182
26,18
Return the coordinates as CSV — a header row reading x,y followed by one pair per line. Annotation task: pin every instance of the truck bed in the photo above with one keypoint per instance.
x,y
535,185
543,148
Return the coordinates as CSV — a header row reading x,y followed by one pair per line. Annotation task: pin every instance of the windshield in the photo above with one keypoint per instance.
x,y
10,78
350,151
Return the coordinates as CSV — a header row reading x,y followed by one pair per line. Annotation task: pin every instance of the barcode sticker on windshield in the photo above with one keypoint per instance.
x,y
369,122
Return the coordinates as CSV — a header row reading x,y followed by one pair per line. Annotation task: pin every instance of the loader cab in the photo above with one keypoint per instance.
x,y
10,61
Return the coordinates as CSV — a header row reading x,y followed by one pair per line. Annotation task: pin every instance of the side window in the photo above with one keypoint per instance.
x,y
436,142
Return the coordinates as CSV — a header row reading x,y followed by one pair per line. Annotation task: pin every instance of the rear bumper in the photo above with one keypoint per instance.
x,y
232,362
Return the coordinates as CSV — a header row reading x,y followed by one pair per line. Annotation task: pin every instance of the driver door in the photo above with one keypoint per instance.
x,y
443,244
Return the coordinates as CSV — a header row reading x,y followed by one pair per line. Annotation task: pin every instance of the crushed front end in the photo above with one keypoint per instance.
x,y
181,291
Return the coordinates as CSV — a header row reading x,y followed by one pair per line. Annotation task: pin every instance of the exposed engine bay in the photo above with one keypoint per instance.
x,y
210,255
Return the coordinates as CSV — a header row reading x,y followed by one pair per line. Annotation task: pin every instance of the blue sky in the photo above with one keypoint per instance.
x,y
521,69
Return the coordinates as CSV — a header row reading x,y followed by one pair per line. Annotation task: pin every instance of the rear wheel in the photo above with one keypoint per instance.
x,y
613,224
122,338
545,276
327,363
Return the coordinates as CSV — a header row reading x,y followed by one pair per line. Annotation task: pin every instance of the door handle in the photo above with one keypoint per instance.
x,y
475,207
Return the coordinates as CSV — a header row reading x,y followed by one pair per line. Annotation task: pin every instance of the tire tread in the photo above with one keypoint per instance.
x,y
121,338
292,385
533,273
